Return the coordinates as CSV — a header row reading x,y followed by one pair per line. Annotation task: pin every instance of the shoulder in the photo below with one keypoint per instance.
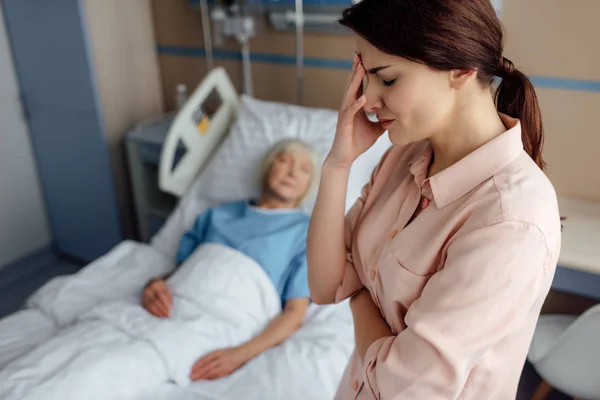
x,y
303,218
297,227
521,195
300,221
525,192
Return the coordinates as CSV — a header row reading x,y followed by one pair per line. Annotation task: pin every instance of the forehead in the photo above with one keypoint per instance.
x,y
373,57
298,154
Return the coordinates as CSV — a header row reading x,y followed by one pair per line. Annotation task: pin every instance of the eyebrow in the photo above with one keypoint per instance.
x,y
375,70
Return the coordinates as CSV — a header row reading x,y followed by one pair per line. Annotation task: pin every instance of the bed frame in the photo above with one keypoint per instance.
x,y
199,127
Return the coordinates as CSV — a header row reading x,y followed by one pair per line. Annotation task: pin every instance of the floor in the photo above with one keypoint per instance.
x,y
19,280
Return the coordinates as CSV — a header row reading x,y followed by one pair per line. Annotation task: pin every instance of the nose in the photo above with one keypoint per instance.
x,y
293,171
373,97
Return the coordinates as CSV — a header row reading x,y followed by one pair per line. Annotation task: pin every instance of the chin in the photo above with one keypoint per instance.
x,y
285,196
401,137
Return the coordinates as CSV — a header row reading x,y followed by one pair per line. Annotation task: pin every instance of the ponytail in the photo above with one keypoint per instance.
x,y
516,97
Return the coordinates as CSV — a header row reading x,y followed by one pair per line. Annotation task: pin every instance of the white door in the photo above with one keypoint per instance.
x,y
23,224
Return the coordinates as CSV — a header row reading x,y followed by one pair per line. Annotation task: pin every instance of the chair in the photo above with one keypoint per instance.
x,y
565,351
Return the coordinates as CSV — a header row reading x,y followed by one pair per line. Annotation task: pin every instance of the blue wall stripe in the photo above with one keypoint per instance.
x,y
281,59
290,3
267,58
566,83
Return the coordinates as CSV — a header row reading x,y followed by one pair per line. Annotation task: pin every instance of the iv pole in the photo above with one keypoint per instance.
x,y
239,26
244,32
208,48
299,51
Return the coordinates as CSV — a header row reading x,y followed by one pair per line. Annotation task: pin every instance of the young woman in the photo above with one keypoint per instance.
x,y
272,231
450,251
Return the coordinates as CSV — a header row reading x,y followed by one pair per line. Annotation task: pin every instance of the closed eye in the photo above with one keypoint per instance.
x,y
388,83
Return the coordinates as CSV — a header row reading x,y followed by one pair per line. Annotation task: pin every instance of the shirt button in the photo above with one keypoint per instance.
x,y
424,202
355,385
393,234
373,275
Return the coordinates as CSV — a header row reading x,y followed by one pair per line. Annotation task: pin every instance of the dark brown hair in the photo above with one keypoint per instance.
x,y
453,34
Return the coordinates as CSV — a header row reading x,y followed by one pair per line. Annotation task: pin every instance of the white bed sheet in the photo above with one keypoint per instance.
x,y
308,366
21,332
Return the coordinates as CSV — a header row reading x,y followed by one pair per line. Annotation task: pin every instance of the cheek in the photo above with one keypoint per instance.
x,y
276,170
403,98
417,103
306,182
272,178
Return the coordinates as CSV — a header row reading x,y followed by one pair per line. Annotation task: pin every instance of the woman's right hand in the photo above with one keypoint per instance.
x,y
157,298
355,133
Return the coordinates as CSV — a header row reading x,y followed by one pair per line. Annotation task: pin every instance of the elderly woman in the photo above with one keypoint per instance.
x,y
271,230
118,348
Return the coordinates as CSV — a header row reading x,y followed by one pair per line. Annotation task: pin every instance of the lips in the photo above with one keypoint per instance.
x,y
385,123
288,183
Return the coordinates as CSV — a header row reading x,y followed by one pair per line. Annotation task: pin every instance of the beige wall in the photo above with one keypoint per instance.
x,y
177,24
126,65
559,38
552,38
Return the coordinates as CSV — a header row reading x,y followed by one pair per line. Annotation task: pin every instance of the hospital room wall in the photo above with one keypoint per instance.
x,y
100,78
23,222
128,82
552,40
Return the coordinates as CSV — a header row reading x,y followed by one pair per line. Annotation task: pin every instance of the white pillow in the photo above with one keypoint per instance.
x,y
231,174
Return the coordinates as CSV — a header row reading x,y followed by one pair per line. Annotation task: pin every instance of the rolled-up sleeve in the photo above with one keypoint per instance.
x,y
491,281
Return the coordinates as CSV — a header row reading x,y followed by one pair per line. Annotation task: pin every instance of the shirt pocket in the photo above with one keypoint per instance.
x,y
419,266
403,284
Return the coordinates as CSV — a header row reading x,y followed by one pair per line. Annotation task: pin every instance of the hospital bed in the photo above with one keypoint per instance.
x,y
223,147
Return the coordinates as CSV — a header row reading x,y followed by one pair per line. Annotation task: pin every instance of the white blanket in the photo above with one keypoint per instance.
x,y
22,331
116,350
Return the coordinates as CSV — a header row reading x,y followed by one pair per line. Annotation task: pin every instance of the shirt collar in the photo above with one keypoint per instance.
x,y
460,178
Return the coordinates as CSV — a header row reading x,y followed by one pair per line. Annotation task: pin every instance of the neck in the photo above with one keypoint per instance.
x,y
271,201
475,123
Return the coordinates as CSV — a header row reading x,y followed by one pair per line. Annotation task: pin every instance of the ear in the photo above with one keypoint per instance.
x,y
459,78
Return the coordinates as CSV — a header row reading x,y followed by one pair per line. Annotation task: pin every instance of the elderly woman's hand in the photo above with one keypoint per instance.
x,y
157,298
218,364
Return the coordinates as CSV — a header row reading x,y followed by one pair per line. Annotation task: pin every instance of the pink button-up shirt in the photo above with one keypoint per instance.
x,y
462,284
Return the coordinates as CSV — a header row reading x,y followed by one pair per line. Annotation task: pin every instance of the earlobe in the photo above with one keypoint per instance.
x,y
459,78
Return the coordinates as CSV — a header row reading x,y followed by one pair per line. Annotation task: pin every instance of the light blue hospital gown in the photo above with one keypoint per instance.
x,y
275,239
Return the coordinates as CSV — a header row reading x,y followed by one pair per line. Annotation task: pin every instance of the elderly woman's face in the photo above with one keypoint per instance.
x,y
290,175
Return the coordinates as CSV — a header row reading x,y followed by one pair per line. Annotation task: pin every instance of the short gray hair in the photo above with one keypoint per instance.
x,y
292,146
